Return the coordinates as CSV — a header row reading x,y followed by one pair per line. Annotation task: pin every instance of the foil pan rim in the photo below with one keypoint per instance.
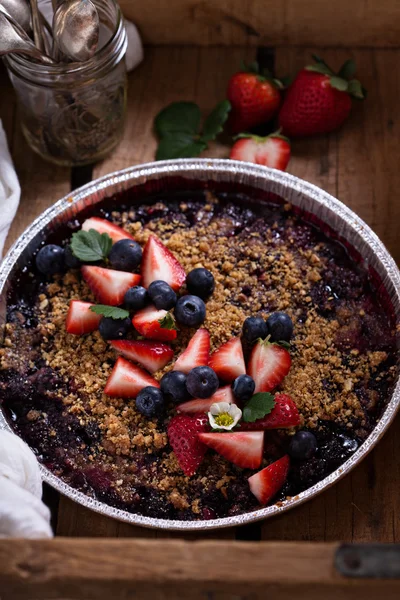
x,y
209,168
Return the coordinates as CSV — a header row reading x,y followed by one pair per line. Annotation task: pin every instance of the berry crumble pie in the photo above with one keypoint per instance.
x,y
195,355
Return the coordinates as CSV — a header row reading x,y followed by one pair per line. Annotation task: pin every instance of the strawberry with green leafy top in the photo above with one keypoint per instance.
x,y
155,324
255,98
282,415
319,100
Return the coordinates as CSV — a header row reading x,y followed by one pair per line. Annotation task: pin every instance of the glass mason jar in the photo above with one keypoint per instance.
x,y
73,113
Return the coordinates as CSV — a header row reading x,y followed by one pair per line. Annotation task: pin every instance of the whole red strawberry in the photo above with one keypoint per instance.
x,y
254,98
182,435
319,101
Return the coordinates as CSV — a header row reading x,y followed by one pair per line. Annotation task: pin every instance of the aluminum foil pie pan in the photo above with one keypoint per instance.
x,y
318,206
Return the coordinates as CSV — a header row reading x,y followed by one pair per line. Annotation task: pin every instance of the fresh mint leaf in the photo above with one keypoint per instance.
x,y
179,145
258,407
90,246
112,312
167,322
214,123
178,117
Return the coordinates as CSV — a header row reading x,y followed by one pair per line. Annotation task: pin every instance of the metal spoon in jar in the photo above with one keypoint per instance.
x,y
18,10
13,39
76,29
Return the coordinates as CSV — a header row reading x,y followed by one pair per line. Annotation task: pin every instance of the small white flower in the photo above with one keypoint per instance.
x,y
223,415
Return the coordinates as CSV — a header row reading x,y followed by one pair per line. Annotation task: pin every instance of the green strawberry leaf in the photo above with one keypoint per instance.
x,y
167,322
182,117
286,81
112,312
319,68
258,406
214,123
348,69
179,145
339,84
356,89
90,246
252,67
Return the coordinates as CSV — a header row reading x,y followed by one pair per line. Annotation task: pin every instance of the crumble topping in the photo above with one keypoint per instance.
x,y
259,267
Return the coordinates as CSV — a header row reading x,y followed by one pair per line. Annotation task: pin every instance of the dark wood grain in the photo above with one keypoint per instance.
x,y
89,569
358,164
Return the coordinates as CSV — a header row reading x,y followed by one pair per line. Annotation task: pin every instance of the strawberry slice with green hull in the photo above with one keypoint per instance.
x,y
155,324
285,414
126,380
228,360
158,263
103,226
80,319
109,286
272,151
244,450
202,405
197,353
183,437
266,483
268,365
151,355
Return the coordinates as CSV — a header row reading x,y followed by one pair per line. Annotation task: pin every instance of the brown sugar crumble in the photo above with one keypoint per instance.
x,y
263,259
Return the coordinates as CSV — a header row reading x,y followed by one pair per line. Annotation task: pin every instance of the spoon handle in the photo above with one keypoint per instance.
x,y
37,26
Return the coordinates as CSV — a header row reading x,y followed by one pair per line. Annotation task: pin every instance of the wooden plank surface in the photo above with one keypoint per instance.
x,y
89,569
358,164
272,22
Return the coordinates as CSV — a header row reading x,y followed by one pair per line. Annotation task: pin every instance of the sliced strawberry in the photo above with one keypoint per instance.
x,y
159,263
183,436
109,286
80,319
284,414
126,380
202,405
155,324
197,353
268,366
266,483
228,360
151,355
242,449
103,226
271,151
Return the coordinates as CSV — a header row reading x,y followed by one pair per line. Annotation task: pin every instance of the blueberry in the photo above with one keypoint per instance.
x,y
253,329
150,401
200,282
70,260
280,327
202,382
136,298
190,311
50,259
162,295
114,329
173,386
125,255
303,445
243,387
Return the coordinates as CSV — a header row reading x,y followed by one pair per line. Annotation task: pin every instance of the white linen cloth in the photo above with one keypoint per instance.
x,y
10,190
22,513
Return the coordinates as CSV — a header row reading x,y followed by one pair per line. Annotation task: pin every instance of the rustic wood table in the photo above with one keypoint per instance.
x,y
358,164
